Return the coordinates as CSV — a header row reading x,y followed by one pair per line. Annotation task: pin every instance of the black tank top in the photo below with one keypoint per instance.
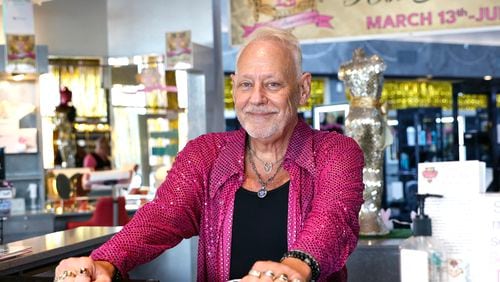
x,y
259,228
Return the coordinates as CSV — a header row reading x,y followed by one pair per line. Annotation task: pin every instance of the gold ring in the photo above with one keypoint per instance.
x,y
65,274
84,271
269,273
283,277
254,273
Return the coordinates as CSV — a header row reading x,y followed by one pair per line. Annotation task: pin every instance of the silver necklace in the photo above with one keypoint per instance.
x,y
263,184
268,166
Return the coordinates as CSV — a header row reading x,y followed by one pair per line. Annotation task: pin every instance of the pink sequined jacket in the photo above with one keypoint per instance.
x,y
197,198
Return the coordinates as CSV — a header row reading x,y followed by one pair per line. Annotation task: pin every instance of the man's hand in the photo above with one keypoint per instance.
x,y
84,269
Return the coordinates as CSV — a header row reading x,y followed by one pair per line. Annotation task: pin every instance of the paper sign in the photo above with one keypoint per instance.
x,y
18,17
20,36
21,57
452,178
179,50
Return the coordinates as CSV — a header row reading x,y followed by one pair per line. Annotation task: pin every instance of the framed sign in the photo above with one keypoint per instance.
x,y
19,31
21,57
179,50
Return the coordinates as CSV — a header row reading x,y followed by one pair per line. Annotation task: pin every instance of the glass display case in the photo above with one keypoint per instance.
x,y
420,139
83,78
159,145
153,118
144,113
20,139
480,140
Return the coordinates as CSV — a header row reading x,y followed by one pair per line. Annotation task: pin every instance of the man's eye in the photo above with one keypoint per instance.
x,y
245,85
274,85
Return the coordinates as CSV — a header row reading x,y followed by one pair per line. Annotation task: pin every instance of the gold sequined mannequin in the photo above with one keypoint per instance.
x,y
365,123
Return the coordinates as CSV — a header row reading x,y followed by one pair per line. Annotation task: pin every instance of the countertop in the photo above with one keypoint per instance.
x,y
50,248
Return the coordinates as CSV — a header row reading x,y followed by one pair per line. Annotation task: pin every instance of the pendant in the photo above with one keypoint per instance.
x,y
268,167
262,192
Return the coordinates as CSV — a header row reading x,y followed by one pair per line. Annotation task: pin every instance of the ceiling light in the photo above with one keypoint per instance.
x,y
38,2
118,61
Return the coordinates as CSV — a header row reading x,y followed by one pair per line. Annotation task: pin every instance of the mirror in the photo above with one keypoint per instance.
x,y
330,117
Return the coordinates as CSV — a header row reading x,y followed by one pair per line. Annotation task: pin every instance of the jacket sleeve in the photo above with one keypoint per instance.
x,y
331,228
174,214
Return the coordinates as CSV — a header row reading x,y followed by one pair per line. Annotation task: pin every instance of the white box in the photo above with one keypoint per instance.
x,y
6,193
464,219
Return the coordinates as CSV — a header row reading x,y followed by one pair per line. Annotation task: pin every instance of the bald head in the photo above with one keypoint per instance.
x,y
285,39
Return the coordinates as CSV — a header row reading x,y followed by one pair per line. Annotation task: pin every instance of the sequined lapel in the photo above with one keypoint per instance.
x,y
300,149
229,162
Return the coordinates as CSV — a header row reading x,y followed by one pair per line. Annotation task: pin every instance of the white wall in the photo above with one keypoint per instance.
x,y
139,27
118,27
72,27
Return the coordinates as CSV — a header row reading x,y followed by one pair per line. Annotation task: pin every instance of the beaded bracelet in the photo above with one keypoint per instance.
x,y
117,276
307,259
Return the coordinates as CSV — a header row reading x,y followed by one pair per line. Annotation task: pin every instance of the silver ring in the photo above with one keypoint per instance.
x,y
269,273
283,277
83,271
254,273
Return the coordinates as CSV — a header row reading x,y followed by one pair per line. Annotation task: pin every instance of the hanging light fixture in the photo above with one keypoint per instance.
x,y
38,2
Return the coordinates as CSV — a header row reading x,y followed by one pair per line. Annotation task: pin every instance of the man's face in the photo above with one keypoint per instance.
x,y
266,90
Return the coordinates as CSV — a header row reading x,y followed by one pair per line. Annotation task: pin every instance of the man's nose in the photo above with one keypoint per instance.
x,y
258,95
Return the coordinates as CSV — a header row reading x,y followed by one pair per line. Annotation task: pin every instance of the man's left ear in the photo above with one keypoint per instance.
x,y
305,88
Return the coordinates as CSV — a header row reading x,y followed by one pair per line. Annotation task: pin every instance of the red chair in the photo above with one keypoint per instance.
x,y
103,214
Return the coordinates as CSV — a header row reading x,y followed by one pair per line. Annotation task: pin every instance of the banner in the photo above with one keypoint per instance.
x,y
19,31
343,19
179,50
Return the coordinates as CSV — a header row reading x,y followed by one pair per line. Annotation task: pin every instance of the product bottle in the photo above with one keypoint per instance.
x,y
421,135
422,257
410,135
405,162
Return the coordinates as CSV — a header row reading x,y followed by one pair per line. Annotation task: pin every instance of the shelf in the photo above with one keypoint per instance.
x,y
91,120
173,134
420,146
22,154
404,173
169,150
17,177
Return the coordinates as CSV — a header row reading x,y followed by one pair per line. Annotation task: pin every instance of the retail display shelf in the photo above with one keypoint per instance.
x,y
27,176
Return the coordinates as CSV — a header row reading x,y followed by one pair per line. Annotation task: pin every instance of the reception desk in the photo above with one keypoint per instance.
x,y
20,226
373,260
47,250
